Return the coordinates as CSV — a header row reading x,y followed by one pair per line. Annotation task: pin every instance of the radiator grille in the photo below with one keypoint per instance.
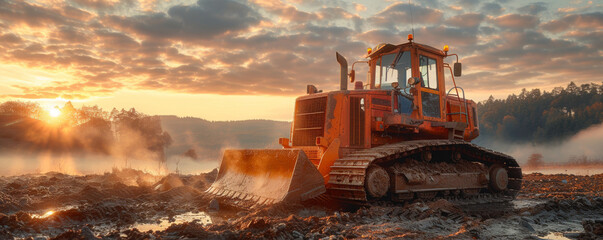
x,y
309,121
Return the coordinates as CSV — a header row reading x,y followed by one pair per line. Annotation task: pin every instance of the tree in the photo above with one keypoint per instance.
x,y
146,129
25,109
572,89
86,114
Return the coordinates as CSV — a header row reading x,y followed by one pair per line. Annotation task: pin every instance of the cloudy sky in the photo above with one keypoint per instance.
x,y
236,59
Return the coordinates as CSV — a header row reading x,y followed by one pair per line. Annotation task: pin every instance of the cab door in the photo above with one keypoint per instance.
x,y
431,87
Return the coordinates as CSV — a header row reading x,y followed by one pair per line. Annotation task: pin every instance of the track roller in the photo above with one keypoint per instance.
x,y
377,181
499,179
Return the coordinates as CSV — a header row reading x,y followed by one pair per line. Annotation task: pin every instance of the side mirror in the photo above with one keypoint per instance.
x,y
352,75
457,69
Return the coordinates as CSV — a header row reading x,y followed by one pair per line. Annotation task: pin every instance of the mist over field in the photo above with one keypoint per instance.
x,y
586,144
561,127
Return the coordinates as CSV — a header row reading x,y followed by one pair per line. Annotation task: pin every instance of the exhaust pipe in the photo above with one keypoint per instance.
x,y
344,71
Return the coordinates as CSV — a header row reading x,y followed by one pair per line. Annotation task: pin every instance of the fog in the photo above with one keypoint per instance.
x,y
186,165
17,163
587,144
126,154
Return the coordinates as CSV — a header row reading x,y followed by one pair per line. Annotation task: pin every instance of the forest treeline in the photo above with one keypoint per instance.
x,y
127,133
540,116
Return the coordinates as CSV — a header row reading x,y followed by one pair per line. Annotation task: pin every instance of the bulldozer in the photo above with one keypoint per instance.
x,y
400,136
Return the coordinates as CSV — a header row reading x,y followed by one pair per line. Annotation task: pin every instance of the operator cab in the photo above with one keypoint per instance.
x,y
415,72
412,76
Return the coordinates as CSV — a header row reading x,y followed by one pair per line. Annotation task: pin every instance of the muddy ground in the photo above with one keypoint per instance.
x,y
130,204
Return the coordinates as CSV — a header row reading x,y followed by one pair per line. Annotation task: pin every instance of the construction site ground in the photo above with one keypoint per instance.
x,y
130,204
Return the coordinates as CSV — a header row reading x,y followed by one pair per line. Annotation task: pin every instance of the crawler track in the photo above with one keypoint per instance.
x,y
347,176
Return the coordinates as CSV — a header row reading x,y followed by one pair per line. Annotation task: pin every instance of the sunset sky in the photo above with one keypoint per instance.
x,y
232,60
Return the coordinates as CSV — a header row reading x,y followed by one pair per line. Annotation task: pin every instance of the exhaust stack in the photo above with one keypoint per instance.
x,y
344,71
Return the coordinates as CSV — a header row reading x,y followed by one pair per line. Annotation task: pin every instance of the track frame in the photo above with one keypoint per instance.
x,y
348,174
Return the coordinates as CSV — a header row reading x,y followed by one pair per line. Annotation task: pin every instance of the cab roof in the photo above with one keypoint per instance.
x,y
386,47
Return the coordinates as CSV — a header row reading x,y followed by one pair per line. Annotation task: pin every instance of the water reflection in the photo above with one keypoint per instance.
x,y
165,222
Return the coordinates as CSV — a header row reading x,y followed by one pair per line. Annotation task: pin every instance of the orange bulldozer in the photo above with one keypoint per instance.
x,y
400,136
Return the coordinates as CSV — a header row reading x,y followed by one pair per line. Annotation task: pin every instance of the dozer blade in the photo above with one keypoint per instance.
x,y
267,176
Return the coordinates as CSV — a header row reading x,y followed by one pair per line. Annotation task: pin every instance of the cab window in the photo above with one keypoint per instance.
x,y
429,72
390,71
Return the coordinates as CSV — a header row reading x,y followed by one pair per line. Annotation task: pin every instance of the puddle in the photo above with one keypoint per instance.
x,y
524,203
49,212
163,223
45,215
556,236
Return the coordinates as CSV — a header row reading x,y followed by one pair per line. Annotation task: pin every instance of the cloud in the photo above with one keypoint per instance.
x,y
459,39
30,14
204,20
591,39
11,39
116,40
272,47
380,36
530,59
103,5
359,7
494,9
69,34
76,13
466,20
586,21
214,17
516,21
468,3
284,12
533,8
400,13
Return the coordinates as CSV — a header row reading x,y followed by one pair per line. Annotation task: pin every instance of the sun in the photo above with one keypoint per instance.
x,y
54,112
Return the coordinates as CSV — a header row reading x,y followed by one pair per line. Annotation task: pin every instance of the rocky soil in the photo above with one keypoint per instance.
x,y
130,204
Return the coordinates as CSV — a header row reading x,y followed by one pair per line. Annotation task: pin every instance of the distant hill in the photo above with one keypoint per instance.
x,y
209,138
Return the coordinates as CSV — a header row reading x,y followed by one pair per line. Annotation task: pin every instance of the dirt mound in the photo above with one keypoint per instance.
x,y
168,182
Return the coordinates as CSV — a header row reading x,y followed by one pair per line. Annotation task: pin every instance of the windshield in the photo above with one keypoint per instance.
x,y
398,73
